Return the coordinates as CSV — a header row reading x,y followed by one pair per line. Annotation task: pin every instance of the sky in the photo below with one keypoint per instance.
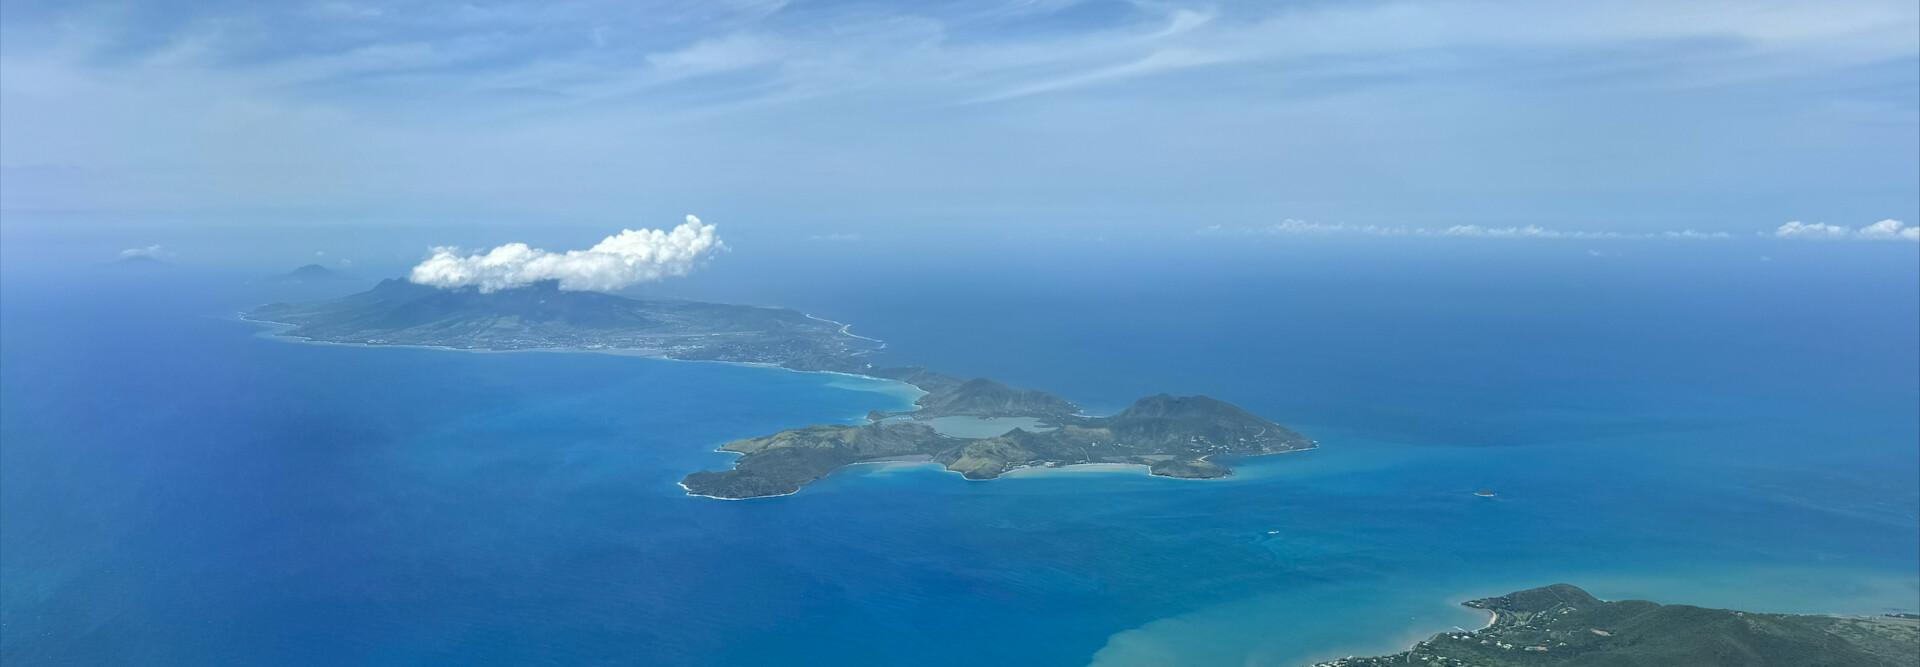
x,y
854,120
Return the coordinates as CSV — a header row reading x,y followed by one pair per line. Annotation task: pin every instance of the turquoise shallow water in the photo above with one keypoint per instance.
x,y
181,490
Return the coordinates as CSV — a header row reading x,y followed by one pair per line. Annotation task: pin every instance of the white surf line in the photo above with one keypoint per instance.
x,y
846,329
691,494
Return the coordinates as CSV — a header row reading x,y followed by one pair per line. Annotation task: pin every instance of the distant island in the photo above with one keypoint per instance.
x,y
544,317
976,427
310,273
1562,625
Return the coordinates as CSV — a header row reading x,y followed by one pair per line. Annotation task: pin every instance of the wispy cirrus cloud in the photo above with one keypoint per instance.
x,y
838,237
354,52
1372,107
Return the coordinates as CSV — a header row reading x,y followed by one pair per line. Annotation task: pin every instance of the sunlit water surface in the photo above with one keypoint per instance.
x,y
179,489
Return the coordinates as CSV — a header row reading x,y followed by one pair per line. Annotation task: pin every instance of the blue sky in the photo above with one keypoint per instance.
x,y
1054,116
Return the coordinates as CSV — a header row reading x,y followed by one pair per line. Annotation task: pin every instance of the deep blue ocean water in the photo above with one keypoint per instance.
x,y
1682,422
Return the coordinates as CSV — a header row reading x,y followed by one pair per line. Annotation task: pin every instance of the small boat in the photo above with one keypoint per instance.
x,y
1484,493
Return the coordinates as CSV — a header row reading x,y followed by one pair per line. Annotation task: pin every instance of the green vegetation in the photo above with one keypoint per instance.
x,y
948,396
1563,625
1172,436
544,317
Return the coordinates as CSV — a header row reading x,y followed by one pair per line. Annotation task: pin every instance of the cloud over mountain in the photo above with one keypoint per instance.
x,y
632,256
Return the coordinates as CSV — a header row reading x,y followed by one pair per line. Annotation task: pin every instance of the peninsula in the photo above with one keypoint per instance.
x,y
976,427
1562,625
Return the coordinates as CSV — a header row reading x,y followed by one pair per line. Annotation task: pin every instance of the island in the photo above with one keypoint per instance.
x,y
1172,436
544,317
1564,625
309,273
977,427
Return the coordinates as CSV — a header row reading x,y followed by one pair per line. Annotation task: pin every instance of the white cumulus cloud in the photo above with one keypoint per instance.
x,y
629,257
1692,234
1527,232
1890,229
1801,230
1884,230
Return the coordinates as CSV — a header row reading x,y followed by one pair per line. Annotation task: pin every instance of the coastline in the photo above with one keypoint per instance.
x,y
1494,618
909,392
1044,470
690,494
1028,471
1110,467
277,331
847,330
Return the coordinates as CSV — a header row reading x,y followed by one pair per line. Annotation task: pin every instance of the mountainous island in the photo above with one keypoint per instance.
x,y
544,317
978,427
1562,625
309,273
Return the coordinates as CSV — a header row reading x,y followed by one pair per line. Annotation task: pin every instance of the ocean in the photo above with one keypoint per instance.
x,y
1731,424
